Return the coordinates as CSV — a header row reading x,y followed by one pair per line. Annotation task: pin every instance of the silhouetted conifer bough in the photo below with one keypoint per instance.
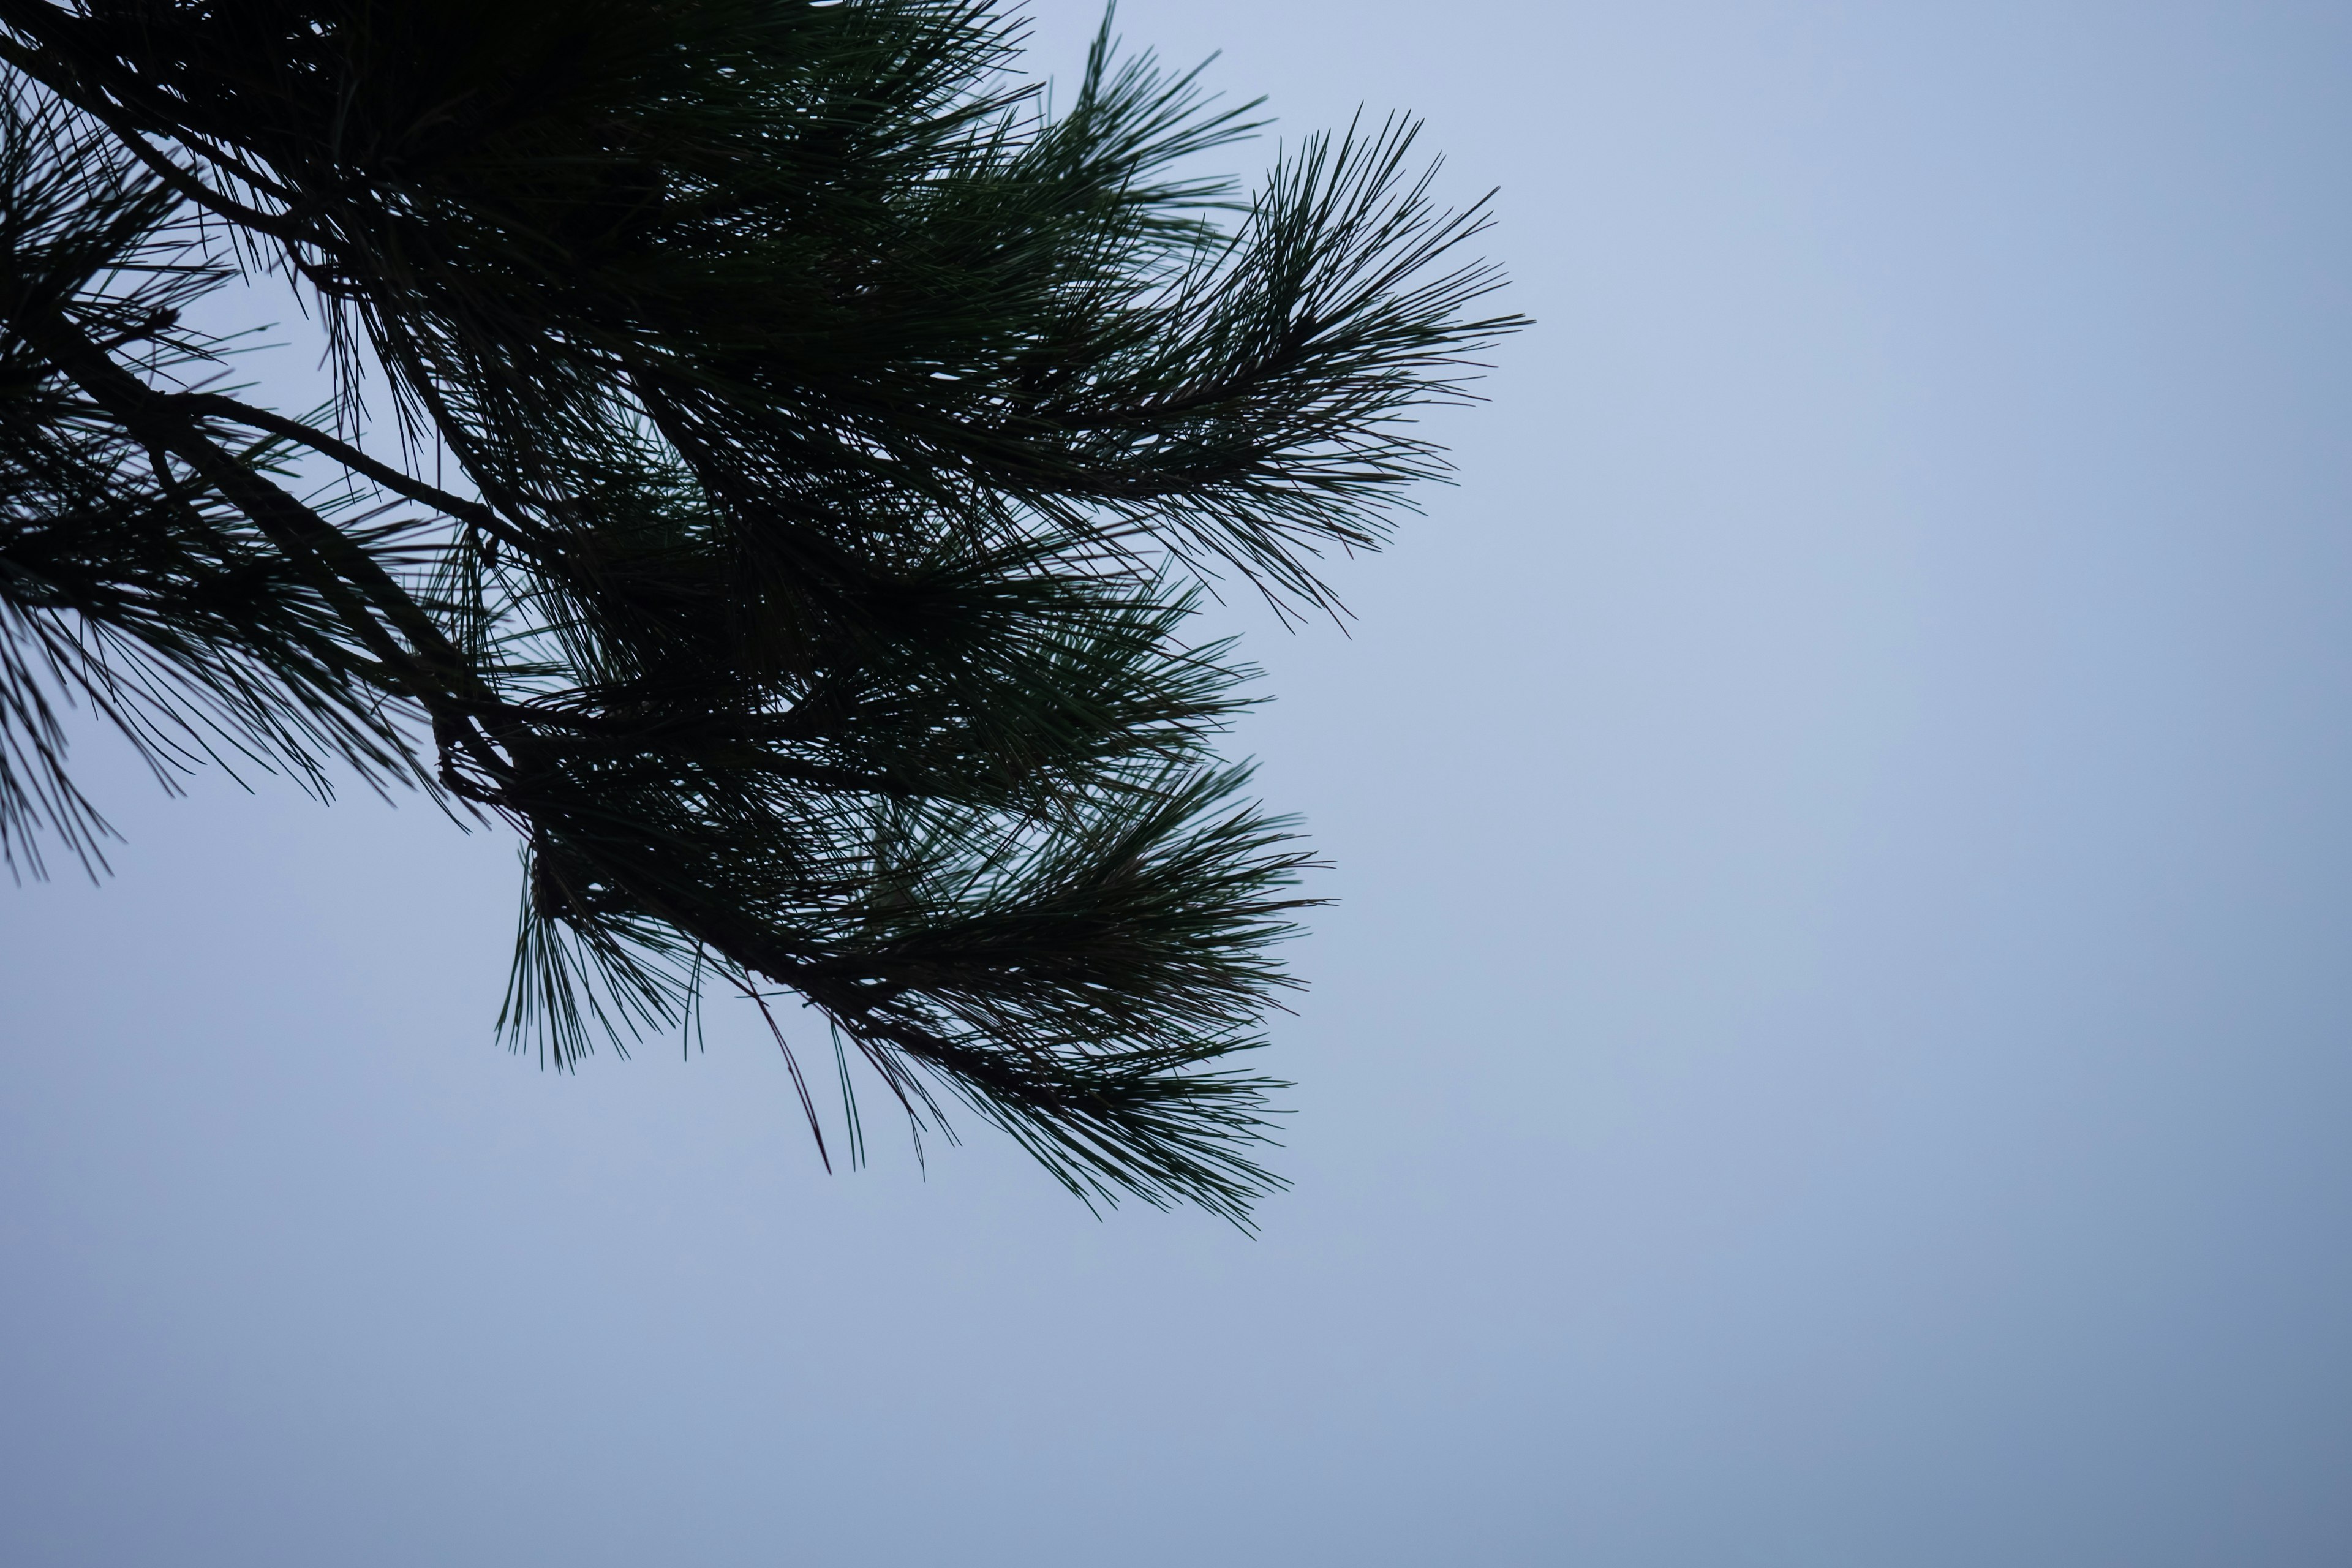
x,y
808,447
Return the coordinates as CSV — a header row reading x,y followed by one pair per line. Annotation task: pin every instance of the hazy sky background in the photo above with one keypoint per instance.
x,y
1834,1046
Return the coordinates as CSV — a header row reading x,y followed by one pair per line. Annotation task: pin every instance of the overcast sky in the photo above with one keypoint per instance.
x,y
1834,1046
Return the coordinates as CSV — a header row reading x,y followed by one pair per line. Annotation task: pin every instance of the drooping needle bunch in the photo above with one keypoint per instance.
x,y
808,445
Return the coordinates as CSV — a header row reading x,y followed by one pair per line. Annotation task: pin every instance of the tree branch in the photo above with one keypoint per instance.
x,y
44,71
477,513
435,675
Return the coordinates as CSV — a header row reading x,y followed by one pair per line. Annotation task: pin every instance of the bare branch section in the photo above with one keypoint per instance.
x,y
845,441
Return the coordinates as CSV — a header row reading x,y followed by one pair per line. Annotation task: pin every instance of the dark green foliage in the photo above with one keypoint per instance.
x,y
844,439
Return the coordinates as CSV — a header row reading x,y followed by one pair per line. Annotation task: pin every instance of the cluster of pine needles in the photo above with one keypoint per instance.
x,y
808,445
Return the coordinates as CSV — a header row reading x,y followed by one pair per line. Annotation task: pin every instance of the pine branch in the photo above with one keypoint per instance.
x,y
852,437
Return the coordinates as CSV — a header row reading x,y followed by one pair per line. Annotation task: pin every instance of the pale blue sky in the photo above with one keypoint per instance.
x,y
1835,1048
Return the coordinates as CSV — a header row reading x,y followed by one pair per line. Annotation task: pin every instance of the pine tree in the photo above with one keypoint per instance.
x,y
829,441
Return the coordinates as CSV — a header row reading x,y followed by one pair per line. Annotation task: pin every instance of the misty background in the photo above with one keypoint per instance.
x,y
1834,1046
